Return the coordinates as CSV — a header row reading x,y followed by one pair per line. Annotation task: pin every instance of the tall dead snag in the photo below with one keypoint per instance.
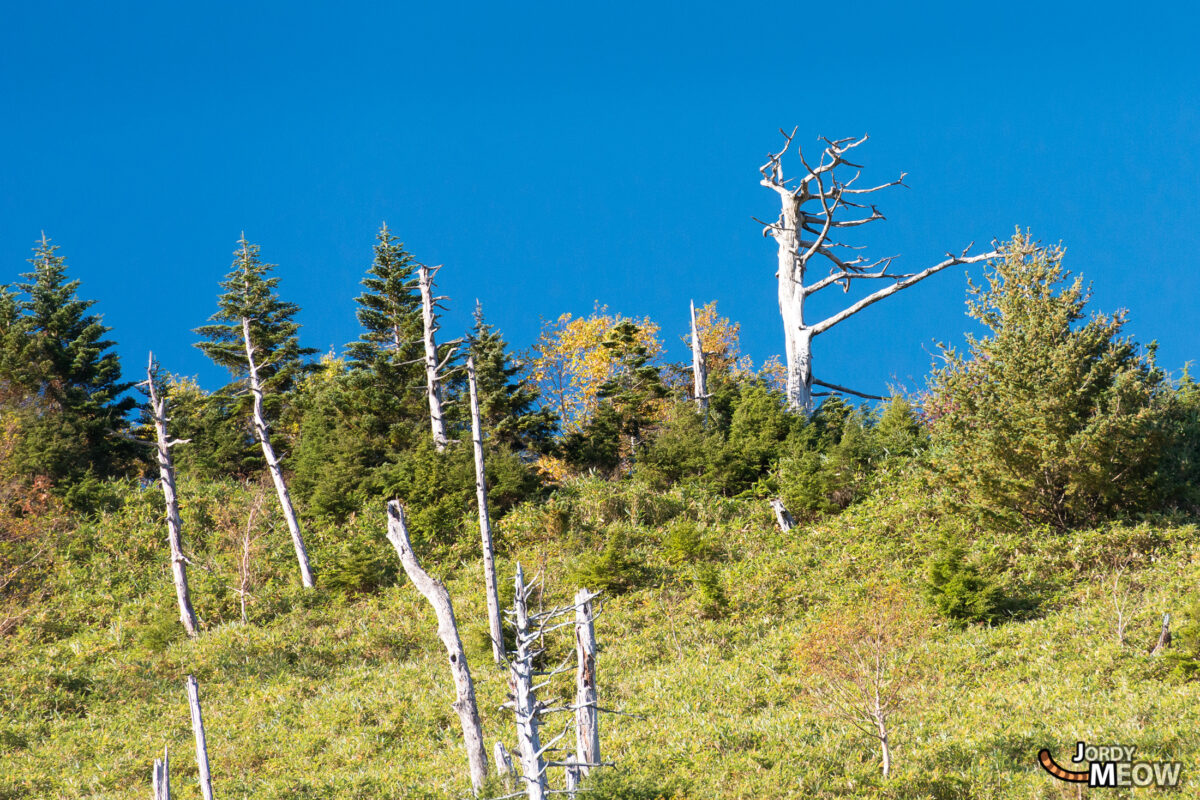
x,y
814,206
161,780
264,439
587,717
166,473
433,367
193,692
699,370
525,705
485,524
435,592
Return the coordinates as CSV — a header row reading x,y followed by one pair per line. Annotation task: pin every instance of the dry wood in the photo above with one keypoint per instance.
x,y
813,207
524,699
782,516
504,765
573,776
433,381
264,439
1164,638
166,473
193,692
699,370
161,781
435,592
496,633
587,718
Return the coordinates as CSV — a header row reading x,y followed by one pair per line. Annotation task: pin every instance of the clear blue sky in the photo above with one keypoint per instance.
x,y
556,154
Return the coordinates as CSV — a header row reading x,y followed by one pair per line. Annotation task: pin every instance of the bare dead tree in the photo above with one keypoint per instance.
x,y
523,692
264,438
161,779
435,592
245,571
1164,638
193,692
166,473
485,525
699,370
587,712
815,207
783,517
433,367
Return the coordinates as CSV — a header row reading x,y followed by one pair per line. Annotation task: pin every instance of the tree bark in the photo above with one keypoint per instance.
x,y
782,516
435,592
504,765
525,704
1164,638
587,718
193,692
264,438
161,781
433,382
166,472
496,633
699,370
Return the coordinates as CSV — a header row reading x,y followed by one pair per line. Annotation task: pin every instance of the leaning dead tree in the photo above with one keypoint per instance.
x,y
263,435
816,206
166,473
496,633
699,370
193,693
435,592
433,367
783,517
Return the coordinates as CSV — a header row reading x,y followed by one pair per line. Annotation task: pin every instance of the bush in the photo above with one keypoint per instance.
x,y
614,570
958,590
1184,655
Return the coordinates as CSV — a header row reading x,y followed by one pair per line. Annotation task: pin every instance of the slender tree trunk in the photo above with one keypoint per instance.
x,y
433,382
264,438
573,776
587,718
504,765
435,592
525,703
485,524
699,371
161,782
797,338
1164,638
193,692
166,472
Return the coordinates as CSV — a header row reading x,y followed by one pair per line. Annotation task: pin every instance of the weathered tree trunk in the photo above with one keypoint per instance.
x,y
504,765
435,592
166,472
1164,638
587,717
264,438
573,776
882,735
525,704
496,633
161,781
782,516
193,692
699,370
821,186
433,381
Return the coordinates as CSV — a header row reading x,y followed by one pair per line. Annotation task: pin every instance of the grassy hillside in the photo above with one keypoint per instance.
x,y
345,694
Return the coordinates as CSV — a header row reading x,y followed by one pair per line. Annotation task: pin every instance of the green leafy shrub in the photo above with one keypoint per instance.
x,y
615,569
959,591
1184,654
709,592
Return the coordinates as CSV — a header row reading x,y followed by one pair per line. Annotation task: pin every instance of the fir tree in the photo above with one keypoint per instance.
x,y
508,402
389,310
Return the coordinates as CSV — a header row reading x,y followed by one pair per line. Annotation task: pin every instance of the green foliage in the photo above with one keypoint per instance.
x,y
359,566
61,378
1050,418
685,543
616,569
1178,480
710,594
1184,653
220,439
959,591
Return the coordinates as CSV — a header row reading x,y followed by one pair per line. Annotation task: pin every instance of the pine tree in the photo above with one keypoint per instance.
x,y
54,352
508,402
389,311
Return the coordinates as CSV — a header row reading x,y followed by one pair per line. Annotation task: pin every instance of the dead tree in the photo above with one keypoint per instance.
x,y
1164,638
193,692
523,692
435,592
433,367
504,765
783,517
485,524
166,473
264,438
161,781
587,716
699,370
814,207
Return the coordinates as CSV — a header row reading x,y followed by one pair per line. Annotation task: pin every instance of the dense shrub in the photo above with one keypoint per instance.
x,y
959,591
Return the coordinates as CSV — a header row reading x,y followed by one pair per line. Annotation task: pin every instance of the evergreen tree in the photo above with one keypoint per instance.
x,y
249,294
54,352
1052,418
390,313
508,401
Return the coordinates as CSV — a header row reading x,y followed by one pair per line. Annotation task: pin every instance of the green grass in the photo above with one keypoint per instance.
x,y
329,695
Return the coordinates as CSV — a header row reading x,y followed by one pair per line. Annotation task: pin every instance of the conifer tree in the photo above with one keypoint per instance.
x,y
390,313
508,402
54,352
253,334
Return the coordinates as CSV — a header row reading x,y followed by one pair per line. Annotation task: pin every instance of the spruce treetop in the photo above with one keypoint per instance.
x,y
390,308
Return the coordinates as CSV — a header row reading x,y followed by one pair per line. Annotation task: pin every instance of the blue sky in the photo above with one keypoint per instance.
x,y
554,155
